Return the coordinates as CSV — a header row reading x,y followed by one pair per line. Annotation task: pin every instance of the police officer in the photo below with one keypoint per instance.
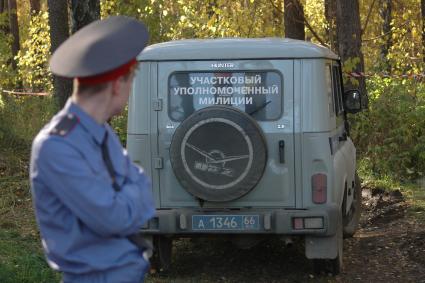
x,y
89,198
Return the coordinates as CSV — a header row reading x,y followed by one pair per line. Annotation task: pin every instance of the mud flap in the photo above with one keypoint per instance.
x,y
321,247
325,247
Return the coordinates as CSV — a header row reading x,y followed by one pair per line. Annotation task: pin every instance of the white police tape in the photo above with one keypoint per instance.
x,y
23,93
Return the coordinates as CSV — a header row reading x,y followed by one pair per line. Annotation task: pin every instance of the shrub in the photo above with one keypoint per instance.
x,y
8,78
119,124
22,117
390,136
33,57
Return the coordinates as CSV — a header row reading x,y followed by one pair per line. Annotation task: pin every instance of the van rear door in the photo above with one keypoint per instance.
x,y
262,89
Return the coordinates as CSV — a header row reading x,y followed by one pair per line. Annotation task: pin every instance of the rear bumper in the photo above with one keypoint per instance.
x,y
178,222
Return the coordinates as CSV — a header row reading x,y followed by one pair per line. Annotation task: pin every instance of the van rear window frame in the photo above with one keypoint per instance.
x,y
280,84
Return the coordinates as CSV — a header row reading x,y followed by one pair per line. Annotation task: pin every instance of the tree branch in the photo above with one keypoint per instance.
x,y
253,16
368,16
387,33
314,33
276,7
305,22
311,28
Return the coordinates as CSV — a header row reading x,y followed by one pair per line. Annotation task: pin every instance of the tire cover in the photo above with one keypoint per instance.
x,y
218,153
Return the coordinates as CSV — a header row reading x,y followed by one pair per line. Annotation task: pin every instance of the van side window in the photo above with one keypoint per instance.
x,y
337,90
328,82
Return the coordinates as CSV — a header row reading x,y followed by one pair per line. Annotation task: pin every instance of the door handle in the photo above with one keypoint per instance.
x,y
282,151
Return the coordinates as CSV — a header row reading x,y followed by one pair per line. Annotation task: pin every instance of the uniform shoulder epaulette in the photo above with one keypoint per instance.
x,y
65,125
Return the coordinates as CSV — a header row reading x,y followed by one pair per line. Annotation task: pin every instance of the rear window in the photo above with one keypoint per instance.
x,y
258,94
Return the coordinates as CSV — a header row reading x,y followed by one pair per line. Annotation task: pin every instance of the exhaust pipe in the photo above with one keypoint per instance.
x,y
288,241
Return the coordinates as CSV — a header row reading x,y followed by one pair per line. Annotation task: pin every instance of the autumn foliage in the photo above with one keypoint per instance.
x,y
389,135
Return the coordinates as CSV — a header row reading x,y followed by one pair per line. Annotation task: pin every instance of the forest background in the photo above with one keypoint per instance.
x,y
381,44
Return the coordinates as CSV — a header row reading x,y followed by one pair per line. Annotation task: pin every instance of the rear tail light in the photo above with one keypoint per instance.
x,y
319,187
298,223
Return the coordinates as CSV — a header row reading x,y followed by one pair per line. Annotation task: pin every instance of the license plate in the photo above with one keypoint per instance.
x,y
225,222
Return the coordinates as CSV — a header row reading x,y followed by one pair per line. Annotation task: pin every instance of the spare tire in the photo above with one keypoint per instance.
x,y
218,153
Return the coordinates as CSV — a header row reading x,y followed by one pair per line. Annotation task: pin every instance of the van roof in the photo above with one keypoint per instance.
x,y
234,48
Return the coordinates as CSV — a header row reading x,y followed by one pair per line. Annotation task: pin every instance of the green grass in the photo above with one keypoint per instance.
x,y
416,197
21,259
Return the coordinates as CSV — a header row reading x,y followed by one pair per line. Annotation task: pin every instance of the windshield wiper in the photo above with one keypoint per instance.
x,y
260,107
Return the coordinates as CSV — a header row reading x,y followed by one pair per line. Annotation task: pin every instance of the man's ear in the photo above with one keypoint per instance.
x,y
116,86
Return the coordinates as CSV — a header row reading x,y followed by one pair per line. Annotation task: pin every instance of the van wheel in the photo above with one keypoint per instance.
x,y
352,219
333,266
161,259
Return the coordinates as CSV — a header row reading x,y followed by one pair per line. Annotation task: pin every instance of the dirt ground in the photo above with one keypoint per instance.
x,y
389,247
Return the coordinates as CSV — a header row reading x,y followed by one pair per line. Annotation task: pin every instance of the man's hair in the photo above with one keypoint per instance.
x,y
95,88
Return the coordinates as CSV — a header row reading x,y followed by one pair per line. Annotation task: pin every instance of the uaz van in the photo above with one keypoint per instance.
x,y
246,138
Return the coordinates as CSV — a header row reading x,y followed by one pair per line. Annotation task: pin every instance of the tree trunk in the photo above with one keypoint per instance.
x,y
14,30
350,41
294,19
385,12
211,6
84,12
2,6
423,28
5,28
330,14
59,32
35,6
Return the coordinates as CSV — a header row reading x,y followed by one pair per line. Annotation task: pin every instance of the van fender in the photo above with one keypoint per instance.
x,y
340,178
